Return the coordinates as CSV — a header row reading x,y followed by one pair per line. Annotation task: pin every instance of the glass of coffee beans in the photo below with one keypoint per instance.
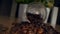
x,y
36,11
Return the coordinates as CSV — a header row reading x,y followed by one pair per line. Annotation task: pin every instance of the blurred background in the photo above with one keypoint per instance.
x,y
11,11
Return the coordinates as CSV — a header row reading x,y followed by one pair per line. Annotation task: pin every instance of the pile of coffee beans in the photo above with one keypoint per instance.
x,y
35,26
32,28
